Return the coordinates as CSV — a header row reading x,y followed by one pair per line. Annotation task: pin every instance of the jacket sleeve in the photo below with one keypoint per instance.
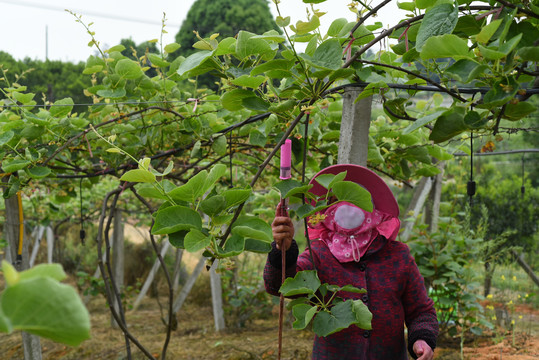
x,y
420,315
272,270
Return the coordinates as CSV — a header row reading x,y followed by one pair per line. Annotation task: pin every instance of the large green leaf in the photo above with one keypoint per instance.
x,y
280,66
233,100
257,246
304,283
304,27
501,92
62,107
176,218
249,81
529,53
290,187
487,31
303,314
233,246
47,308
442,46
193,61
519,110
423,121
213,205
353,193
247,45
138,175
448,125
23,98
336,27
326,56
342,315
191,190
253,227
215,174
466,70
53,271
196,240
6,136
14,165
439,20
128,69
235,197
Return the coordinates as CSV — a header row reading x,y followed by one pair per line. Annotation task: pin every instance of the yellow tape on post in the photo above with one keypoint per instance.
x,y
21,226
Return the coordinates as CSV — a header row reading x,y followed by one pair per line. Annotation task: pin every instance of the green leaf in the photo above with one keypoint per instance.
x,y
447,45
14,165
249,81
487,31
519,110
213,205
53,271
327,180
353,193
138,175
5,137
233,246
439,20
529,53
112,93
219,145
235,197
257,138
373,88
282,21
176,218
177,239
423,121
304,283
466,70
409,6
157,61
233,100
271,35
246,46
290,187
195,240
448,125
326,56
170,48
5,324
304,27
257,246
61,107
336,27
42,306
439,153
191,190
253,227
39,172
501,92
118,48
363,315
215,174
341,316
474,120
303,314
128,69
225,47
352,289
24,99
273,66
255,103
193,61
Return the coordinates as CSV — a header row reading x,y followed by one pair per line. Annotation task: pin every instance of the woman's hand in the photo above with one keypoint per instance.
x,y
423,350
282,227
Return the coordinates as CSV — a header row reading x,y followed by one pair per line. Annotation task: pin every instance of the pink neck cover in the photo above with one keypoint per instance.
x,y
348,231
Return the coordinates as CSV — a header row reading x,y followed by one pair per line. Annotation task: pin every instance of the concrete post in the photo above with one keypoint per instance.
x,y
432,210
354,138
188,285
217,298
117,257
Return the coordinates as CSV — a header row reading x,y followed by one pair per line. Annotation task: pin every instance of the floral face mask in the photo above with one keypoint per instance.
x,y
348,231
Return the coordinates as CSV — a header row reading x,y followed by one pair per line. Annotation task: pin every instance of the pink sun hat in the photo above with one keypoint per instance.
x,y
382,197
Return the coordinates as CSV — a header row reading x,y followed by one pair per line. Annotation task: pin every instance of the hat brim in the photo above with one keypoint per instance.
x,y
382,197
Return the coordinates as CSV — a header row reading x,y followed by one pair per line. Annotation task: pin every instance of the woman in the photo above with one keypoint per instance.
x,y
358,248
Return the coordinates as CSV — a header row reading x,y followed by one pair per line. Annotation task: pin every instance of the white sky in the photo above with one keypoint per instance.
x,y
23,23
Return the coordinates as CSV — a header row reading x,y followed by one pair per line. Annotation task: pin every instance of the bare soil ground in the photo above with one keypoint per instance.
x,y
195,338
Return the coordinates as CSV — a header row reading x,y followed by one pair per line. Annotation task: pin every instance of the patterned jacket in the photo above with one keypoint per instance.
x,y
396,296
